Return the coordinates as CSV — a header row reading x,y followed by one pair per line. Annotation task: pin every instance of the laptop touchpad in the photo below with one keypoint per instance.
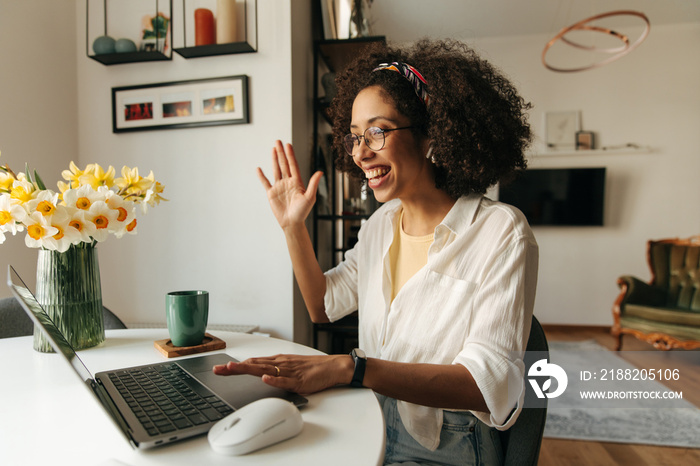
x,y
239,390
236,390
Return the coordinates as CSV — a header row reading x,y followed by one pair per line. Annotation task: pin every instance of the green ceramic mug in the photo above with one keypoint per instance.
x,y
187,313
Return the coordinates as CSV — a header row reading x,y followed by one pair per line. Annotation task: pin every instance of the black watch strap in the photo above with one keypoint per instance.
x,y
360,363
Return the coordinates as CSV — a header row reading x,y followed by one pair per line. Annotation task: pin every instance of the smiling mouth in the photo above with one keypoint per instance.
x,y
376,176
376,173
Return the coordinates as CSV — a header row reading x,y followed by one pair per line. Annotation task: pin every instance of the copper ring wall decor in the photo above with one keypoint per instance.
x,y
584,25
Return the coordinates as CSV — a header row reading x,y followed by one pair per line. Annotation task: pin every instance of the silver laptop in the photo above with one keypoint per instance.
x,y
158,403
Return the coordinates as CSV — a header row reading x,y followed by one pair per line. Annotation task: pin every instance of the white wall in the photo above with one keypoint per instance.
x,y
38,95
650,97
216,232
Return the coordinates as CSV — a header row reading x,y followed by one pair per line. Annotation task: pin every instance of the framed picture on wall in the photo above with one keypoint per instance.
x,y
560,130
180,104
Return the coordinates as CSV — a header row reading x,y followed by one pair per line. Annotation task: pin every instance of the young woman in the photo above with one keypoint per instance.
x,y
443,278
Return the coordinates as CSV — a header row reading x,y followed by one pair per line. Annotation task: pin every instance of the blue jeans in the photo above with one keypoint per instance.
x,y
464,441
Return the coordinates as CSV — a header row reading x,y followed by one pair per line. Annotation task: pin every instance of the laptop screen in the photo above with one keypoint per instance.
x,y
42,320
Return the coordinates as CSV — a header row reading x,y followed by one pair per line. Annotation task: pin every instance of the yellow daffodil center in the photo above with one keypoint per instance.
x,y
131,226
5,217
83,203
77,225
21,194
6,182
35,231
46,208
122,214
58,235
101,222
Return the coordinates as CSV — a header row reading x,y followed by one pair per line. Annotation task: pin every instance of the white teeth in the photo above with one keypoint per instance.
x,y
376,172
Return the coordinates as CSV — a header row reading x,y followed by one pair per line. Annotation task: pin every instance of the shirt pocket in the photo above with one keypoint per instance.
x,y
454,295
433,318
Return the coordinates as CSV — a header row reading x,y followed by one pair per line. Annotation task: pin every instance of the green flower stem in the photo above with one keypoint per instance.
x,y
69,290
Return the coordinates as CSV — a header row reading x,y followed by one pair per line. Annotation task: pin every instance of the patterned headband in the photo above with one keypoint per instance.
x,y
412,75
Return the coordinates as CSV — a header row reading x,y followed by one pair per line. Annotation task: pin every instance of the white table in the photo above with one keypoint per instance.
x,y
47,415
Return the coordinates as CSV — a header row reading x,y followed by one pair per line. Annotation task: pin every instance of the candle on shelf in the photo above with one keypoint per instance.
x,y
204,27
225,21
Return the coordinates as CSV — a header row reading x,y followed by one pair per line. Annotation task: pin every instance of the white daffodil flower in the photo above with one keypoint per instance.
x,y
83,197
104,219
45,203
11,215
81,225
39,232
67,234
125,214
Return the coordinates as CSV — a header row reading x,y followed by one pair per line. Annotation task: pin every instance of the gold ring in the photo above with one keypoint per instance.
x,y
278,371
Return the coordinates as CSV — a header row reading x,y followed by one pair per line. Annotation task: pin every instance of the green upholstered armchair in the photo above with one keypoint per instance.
x,y
665,311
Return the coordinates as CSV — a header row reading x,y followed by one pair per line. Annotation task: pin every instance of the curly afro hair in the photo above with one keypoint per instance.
x,y
476,119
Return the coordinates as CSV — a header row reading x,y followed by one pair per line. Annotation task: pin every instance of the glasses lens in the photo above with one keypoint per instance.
x,y
350,142
375,138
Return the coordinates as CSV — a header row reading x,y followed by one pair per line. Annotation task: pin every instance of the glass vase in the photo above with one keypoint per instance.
x,y
68,288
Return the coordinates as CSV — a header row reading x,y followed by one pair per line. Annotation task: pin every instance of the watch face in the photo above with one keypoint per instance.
x,y
358,353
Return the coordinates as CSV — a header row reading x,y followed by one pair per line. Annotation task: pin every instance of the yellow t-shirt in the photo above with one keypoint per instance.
x,y
407,255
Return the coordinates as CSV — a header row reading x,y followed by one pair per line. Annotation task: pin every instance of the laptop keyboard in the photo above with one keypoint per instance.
x,y
164,402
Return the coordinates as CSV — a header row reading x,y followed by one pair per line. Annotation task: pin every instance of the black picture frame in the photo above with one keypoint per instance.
x,y
180,104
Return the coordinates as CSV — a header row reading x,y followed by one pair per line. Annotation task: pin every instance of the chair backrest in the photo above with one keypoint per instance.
x,y
521,443
14,322
675,268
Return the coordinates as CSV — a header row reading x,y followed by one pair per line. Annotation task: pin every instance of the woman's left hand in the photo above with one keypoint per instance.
x,y
299,374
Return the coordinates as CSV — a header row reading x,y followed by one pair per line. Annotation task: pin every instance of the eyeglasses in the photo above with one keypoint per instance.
x,y
374,138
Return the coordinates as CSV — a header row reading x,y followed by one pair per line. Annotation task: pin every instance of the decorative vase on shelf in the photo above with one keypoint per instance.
x,y
68,287
359,23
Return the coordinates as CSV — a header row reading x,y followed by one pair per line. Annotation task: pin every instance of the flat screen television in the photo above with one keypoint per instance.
x,y
558,196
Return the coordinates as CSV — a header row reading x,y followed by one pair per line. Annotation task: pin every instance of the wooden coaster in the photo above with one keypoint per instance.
x,y
210,343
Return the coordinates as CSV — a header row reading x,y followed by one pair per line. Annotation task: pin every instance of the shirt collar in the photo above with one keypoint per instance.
x,y
462,214
457,220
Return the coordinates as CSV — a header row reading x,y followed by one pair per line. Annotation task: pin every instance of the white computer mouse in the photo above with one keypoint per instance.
x,y
257,425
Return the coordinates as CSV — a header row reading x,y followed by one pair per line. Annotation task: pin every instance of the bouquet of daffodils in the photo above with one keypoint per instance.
x,y
89,206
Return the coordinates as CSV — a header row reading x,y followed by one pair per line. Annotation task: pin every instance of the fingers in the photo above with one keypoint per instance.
x,y
292,162
275,165
285,165
313,185
263,179
279,382
241,368
283,154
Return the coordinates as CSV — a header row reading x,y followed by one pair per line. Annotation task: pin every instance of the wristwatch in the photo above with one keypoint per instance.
x,y
360,362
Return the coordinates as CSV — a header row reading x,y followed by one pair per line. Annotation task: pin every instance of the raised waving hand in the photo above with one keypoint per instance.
x,y
290,201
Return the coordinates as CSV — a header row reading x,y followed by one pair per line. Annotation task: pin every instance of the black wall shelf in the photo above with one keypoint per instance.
x,y
216,49
100,15
249,35
129,57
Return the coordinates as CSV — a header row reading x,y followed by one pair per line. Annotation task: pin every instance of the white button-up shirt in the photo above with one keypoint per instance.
x,y
471,304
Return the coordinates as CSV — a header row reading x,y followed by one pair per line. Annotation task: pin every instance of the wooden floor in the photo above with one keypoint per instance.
x,y
555,452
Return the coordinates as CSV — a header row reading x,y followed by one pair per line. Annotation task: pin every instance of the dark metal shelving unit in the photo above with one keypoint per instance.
x,y
334,55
